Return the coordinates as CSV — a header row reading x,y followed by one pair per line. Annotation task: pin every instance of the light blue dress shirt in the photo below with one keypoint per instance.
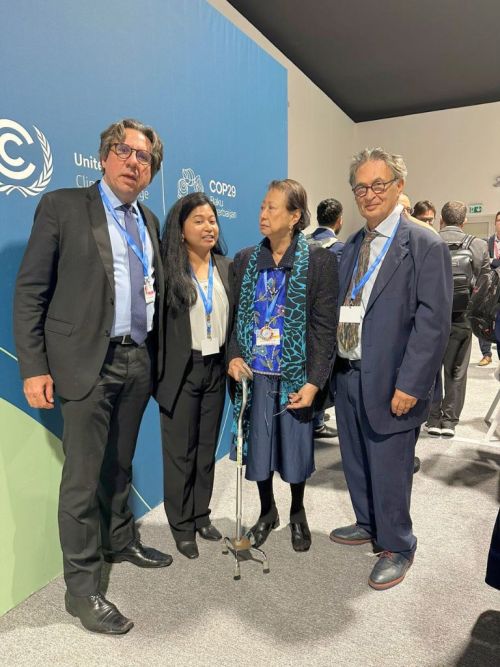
x,y
119,247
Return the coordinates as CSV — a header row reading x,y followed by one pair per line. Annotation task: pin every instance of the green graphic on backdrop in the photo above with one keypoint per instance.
x,y
30,471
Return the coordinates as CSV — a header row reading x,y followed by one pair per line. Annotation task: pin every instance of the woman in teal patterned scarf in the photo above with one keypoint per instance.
x,y
284,340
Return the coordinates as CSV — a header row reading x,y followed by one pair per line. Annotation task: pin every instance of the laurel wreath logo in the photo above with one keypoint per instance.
x,y
43,180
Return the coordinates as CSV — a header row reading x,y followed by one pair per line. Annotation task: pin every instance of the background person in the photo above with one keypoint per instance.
x,y
425,211
286,296
191,392
87,308
330,221
494,253
445,414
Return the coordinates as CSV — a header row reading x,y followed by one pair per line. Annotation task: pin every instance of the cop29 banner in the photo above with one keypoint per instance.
x,y
69,69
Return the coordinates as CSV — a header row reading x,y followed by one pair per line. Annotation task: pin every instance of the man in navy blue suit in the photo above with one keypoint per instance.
x,y
395,300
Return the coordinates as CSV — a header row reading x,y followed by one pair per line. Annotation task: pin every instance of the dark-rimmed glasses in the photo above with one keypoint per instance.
x,y
377,188
124,151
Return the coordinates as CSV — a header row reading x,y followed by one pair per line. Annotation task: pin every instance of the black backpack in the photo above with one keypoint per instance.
x,y
483,305
323,243
463,277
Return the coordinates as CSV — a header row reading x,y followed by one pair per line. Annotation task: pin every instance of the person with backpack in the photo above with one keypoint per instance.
x,y
470,260
330,221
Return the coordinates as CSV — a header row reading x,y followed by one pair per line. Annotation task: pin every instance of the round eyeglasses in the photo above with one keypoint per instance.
x,y
377,188
124,151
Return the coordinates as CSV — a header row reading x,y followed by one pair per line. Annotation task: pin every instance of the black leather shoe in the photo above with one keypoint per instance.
x,y
139,555
416,464
325,432
301,536
97,614
389,570
260,531
351,535
209,532
188,548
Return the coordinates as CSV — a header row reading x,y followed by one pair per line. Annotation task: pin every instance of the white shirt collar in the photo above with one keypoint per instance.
x,y
386,227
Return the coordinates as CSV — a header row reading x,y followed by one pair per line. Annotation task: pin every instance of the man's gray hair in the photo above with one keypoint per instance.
x,y
115,134
394,162
454,213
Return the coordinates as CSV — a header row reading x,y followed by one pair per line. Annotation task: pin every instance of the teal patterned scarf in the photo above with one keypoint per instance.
x,y
293,350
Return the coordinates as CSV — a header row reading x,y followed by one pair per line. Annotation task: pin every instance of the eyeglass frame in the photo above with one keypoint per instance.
x,y
137,151
385,184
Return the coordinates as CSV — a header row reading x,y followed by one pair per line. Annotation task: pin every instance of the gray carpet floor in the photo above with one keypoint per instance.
x,y
314,608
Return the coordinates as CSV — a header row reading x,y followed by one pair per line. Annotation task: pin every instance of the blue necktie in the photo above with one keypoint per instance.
x,y
138,317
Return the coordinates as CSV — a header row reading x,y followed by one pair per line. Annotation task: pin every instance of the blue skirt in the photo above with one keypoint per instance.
x,y
278,440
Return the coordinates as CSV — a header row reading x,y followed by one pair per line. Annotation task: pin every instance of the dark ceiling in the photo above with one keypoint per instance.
x,y
383,58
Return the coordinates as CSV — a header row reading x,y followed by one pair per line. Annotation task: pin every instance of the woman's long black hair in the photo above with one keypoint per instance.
x,y
181,293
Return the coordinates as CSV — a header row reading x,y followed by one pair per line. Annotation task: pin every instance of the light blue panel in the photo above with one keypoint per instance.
x,y
69,69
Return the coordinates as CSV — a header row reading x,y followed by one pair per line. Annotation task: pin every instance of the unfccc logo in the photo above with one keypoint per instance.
x,y
15,168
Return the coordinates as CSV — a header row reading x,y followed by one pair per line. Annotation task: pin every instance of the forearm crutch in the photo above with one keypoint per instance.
x,y
239,545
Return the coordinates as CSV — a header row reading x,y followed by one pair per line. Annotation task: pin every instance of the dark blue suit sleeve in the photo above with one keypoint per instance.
x,y
431,327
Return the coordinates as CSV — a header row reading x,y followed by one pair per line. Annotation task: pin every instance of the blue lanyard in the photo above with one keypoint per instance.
x,y
141,254
208,297
356,288
272,304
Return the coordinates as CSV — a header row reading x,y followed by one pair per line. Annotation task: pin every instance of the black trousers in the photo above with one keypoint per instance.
x,y
455,364
378,469
99,439
189,438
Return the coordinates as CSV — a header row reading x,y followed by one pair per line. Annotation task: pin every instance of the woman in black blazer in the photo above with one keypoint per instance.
x,y
191,391
284,339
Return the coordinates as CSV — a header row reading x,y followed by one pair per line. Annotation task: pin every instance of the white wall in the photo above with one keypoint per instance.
x,y
451,154
320,135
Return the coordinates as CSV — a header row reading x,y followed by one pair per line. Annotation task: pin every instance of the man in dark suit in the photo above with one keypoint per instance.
x,y
330,221
396,296
88,300
494,253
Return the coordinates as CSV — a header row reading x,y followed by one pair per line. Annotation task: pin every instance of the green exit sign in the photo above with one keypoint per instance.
x,y
475,209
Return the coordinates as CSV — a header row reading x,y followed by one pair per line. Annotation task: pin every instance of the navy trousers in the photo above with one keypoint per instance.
x,y
378,469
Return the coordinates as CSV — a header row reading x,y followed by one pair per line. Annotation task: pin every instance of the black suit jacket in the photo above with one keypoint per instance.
x,y
321,311
177,343
64,299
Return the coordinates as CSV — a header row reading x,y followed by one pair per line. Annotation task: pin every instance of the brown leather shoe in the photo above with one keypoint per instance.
x,y
485,361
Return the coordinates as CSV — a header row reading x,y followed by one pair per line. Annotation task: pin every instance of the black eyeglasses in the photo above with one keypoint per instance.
x,y
377,188
124,151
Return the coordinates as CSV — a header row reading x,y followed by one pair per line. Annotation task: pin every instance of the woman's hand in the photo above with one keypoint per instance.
x,y
237,368
303,398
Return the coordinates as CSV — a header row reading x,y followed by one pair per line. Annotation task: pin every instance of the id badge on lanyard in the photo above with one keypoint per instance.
x,y
210,344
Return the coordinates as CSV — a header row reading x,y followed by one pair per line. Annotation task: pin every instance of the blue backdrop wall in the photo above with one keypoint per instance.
x,y
68,70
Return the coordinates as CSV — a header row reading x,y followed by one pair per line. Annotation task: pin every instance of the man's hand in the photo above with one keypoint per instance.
x,y
303,398
39,391
402,403
237,367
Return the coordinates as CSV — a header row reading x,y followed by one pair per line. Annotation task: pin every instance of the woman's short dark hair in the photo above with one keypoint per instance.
x,y
421,207
181,294
296,200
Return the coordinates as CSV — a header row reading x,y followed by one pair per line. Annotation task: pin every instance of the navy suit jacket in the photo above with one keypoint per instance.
x,y
406,325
